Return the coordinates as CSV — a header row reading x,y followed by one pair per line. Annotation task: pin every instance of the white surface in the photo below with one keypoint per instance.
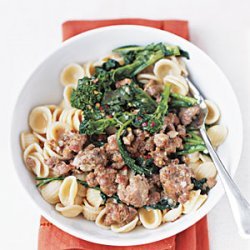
x,y
43,87
31,29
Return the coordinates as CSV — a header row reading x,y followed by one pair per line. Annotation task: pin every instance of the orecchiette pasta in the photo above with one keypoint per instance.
x,y
189,205
67,93
94,197
68,191
41,138
27,138
126,228
206,170
173,214
39,119
89,69
71,74
150,218
193,157
213,114
100,219
56,130
50,192
69,211
204,158
145,77
166,67
217,134
178,84
90,212
32,148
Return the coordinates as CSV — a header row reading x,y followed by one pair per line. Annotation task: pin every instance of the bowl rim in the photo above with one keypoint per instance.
x,y
122,242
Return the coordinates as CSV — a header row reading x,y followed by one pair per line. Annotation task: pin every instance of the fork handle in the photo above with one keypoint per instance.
x,y
239,205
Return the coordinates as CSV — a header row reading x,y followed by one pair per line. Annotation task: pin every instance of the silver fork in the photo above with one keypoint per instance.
x,y
239,205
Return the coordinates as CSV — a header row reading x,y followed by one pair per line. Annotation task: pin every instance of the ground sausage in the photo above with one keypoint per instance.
x,y
58,167
90,158
118,214
106,179
136,193
176,181
187,115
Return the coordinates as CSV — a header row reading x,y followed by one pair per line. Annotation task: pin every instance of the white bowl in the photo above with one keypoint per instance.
x,y
43,87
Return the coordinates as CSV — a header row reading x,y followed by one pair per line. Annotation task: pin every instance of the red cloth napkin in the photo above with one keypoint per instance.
x,y
193,238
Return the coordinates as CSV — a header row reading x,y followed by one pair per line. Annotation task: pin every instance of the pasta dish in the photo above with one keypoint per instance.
x,y
122,148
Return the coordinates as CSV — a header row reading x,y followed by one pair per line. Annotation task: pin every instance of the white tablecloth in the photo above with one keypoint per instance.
x,y
30,30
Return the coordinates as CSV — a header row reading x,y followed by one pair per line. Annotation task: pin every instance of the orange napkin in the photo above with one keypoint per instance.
x,y
193,238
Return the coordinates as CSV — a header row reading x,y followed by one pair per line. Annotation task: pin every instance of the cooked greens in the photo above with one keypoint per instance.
x,y
163,204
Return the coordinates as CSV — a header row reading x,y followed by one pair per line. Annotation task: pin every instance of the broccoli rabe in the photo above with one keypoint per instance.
x,y
153,122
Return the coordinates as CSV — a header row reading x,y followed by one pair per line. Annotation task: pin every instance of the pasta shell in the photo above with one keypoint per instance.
x,y
27,138
195,165
217,134
213,114
206,170
67,93
51,107
178,84
32,148
43,170
166,67
150,218
89,69
71,74
49,152
56,130
173,214
94,197
189,205
201,199
77,119
179,61
194,157
205,158
68,191
90,212
56,114
69,118
69,211
39,119
100,219
126,228
50,192
145,77
62,104
41,138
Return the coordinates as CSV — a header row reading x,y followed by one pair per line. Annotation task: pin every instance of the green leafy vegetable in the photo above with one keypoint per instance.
x,y
189,148
130,162
200,185
190,101
126,97
44,181
91,127
163,204
154,122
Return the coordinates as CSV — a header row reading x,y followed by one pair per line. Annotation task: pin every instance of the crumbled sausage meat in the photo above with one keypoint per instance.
x,y
136,193
90,158
118,214
58,167
106,179
176,181
113,153
187,115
